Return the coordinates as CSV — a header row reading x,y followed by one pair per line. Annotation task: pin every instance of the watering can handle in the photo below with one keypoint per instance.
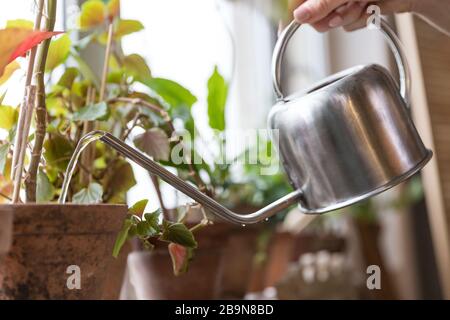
x,y
394,44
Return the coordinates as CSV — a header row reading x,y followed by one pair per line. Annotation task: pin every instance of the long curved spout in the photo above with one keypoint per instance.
x,y
141,159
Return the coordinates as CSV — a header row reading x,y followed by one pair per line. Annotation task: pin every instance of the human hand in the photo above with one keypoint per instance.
x,y
324,15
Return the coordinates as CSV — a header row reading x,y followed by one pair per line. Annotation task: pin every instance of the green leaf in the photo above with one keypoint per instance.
x,y
155,143
138,208
4,149
19,23
180,234
137,67
98,111
45,191
170,92
90,195
58,52
125,27
58,151
145,229
68,78
120,181
152,219
181,257
56,106
122,237
8,117
217,98
122,28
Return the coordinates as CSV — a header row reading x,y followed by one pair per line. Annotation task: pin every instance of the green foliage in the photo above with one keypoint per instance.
x,y
8,117
92,112
178,233
149,227
19,23
58,151
217,98
138,208
45,190
90,195
135,66
58,52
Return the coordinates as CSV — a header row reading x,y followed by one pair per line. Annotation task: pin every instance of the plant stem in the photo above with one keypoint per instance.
x,y
106,62
88,156
41,110
155,181
30,105
24,123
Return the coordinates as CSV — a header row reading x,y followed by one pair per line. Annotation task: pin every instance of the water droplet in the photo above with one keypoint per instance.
x,y
267,219
243,225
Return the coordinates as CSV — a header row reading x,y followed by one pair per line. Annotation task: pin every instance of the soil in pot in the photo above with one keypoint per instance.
x,y
151,273
50,240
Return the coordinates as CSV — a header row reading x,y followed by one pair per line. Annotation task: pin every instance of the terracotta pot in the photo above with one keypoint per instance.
x,y
238,259
116,274
151,274
47,239
5,232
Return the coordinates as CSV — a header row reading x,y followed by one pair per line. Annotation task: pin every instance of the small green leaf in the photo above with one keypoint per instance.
x,y
145,230
171,92
155,143
138,208
58,52
90,195
125,27
58,151
152,219
136,67
181,256
20,23
217,98
122,237
68,78
180,234
45,191
98,111
4,149
121,180
8,117
56,107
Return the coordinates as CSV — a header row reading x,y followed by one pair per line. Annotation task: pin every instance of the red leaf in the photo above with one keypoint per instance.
x,y
31,41
15,42
181,256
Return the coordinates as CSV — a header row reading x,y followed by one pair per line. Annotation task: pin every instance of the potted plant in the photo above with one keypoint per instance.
x,y
51,241
49,238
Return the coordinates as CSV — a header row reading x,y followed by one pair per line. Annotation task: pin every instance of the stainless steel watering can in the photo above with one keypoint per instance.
x,y
348,138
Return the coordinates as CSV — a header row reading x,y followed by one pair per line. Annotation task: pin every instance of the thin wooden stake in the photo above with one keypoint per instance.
x,y
24,113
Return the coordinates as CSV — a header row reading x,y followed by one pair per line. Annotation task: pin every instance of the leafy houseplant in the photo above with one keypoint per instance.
x,y
78,102
65,109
